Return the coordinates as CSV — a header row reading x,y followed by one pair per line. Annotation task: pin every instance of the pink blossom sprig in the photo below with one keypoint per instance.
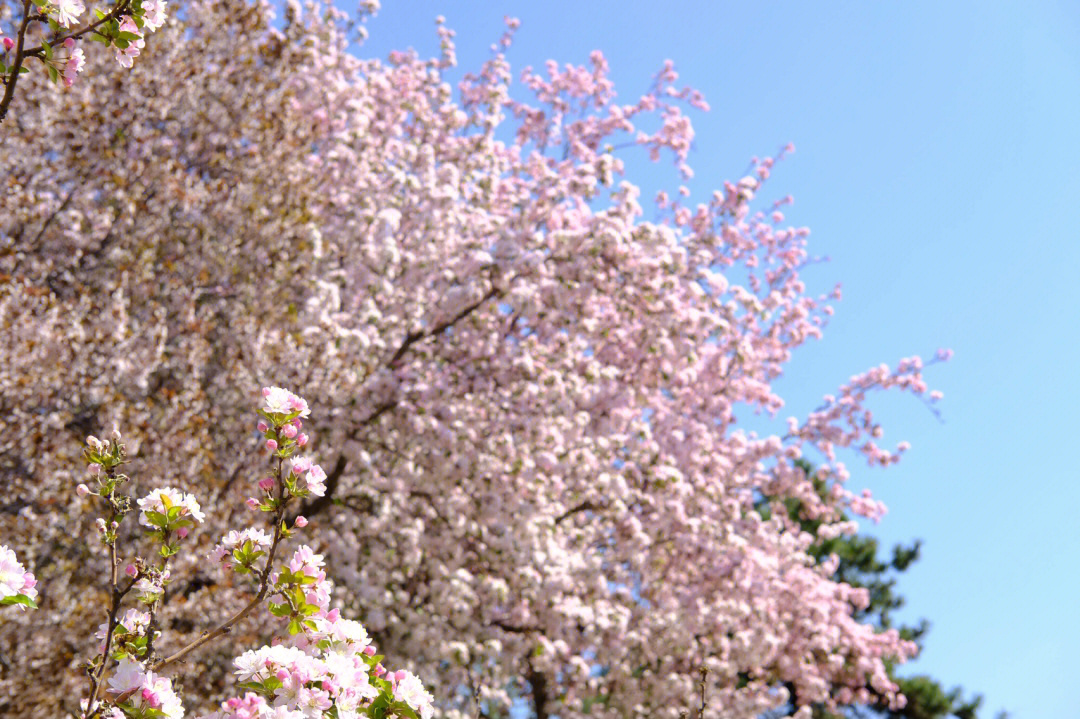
x,y
16,584
325,665
120,24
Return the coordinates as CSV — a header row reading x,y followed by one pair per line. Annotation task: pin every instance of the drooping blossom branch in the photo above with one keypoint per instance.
x,y
121,26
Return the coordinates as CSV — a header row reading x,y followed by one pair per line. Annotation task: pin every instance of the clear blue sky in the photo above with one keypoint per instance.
x,y
938,166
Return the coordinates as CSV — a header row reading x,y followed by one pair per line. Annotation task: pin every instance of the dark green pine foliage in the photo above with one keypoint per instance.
x,y
860,566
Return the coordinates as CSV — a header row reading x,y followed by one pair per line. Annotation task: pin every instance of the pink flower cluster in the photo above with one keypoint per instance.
x,y
161,500
146,691
331,667
223,551
282,401
313,476
15,581
132,622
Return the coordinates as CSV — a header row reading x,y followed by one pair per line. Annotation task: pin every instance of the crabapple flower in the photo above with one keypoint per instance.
x,y
126,56
127,676
312,475
409,689
153,14
161,502
241,547
132,622
68,11
146,691
75,63
148,589
281,401
16,584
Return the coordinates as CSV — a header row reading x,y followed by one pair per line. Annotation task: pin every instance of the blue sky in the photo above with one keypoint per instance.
x,y
938,166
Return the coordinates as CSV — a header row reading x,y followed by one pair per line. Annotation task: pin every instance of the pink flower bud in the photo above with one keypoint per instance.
x,y
271,444
297,423
289,431
399,675
369,650
301,440
266,484
262,426
301,522
131,570
95,469
100,524
82,490
379,670
282,674
333,615
182,532
8,43
266,391
69,43
114,525
252,502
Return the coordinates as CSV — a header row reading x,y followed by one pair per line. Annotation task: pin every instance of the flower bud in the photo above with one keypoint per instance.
x,y
301,522
301,440
182,532
266,484
95,468
114,525
262,426
82,490
369,650
379,670
252,502
8,43
289,431
69,43
116,431
131,570
100,524
271,445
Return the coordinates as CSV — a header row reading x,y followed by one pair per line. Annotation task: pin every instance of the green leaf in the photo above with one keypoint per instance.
x,y
96,37
295,627
40,3
403,709
157,519
23,70
125,35
18,599
48,50
280,610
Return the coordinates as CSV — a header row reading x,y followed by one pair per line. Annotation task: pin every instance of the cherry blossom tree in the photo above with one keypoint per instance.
x,y
538,487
